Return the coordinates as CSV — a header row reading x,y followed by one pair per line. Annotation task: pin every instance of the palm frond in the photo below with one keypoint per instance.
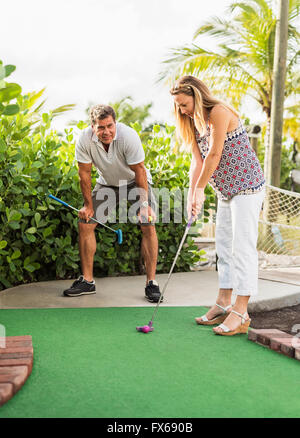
x,y
34,96
293,109
215,27
39,107
248,32
294,9
258,8
245,53
62,109
231,61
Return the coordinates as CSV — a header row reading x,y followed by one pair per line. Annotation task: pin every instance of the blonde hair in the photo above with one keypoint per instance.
x,y
192,86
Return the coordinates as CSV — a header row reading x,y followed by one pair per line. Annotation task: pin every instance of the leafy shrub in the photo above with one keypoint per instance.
x,y
170,171
286,164
38,237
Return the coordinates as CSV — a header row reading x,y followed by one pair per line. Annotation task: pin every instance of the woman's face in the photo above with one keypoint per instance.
x,y
185,104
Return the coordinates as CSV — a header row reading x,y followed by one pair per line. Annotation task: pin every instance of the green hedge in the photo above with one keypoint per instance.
x,y
39,238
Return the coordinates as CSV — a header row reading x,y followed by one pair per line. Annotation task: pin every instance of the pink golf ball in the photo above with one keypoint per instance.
x,y
146,329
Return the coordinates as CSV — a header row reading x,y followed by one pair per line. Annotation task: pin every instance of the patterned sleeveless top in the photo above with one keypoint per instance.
x,y
239,171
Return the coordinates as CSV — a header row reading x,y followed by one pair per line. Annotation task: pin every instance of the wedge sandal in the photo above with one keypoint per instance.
x,y
202,320
242,328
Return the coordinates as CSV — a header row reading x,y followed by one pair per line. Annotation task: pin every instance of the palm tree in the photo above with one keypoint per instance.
x,y
244,55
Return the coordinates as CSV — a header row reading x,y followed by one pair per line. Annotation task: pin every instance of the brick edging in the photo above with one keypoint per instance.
x,y
16,359
276,340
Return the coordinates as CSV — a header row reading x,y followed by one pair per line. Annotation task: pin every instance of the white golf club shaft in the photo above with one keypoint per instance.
x,y
93,219
172,267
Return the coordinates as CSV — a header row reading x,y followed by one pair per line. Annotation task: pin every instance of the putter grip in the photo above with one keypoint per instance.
x,y
145,220
190,222
58,200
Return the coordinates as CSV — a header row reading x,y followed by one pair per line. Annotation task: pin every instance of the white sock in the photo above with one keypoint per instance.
x,y
154,282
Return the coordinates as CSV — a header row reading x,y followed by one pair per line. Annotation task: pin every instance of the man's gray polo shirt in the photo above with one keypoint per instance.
x,y
112,166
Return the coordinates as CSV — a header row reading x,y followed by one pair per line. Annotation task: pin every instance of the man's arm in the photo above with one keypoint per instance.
x,y
84,170
141,179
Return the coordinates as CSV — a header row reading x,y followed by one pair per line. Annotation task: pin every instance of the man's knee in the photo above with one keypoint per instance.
x,y
148,230
86,229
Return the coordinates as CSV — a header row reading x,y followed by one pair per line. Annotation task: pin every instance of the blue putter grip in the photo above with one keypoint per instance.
x,y
120,236
58,200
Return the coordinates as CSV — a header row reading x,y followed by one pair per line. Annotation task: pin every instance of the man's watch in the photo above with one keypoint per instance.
x,y
145,204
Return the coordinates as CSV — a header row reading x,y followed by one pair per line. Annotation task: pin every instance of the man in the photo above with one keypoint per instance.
x,y
117,153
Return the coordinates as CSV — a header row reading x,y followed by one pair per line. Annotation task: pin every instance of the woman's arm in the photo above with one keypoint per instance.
x,y
194,173
195,168
220,118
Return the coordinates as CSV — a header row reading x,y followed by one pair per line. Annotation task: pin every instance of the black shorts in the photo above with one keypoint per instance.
x,y
106,199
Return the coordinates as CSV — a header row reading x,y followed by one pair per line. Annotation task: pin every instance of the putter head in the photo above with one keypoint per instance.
x,y
120,236
146,328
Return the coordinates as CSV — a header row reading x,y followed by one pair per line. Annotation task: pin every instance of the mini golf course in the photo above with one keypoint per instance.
x,y
93,363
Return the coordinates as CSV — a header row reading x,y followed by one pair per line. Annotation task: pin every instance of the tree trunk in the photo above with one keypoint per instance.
x,y
272,162
267,148
279,74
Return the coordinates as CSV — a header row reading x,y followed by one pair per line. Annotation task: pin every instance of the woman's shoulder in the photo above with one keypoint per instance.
x,y
221,114
219,110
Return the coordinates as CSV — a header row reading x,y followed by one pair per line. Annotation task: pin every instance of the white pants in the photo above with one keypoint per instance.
x,y
236,240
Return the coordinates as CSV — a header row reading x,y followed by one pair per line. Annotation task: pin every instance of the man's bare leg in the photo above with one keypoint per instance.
x,y
87,249
149,249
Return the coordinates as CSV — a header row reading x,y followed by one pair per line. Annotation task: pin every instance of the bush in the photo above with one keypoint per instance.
x,y
32,246
38,237
170,170
286,164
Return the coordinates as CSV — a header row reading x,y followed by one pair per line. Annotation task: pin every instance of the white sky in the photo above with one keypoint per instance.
x,y
96,51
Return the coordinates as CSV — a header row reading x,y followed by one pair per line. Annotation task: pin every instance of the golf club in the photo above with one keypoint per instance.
x,y
118,232
149,328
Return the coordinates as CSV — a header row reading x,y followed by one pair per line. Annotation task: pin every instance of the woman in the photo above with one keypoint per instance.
x,y
222,156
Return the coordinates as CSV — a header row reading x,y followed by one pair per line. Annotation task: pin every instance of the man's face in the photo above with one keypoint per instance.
x,y
105,130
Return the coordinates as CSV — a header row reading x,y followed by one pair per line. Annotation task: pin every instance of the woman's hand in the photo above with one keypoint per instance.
x,y
189,204
197,202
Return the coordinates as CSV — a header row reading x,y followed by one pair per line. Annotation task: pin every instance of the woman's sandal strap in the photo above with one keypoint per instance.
x,y
224,308
224,328
241,316
205,319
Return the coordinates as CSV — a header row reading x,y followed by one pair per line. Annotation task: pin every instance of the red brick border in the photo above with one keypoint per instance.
x,y
276,340
16,361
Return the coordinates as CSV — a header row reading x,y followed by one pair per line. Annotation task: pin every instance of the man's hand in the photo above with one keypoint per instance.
x,y
146,215
86,212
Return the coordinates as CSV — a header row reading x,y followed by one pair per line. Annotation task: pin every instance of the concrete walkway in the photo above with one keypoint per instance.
x,y
198,288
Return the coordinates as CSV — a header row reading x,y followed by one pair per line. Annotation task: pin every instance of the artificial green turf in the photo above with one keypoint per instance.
x,y
93,363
